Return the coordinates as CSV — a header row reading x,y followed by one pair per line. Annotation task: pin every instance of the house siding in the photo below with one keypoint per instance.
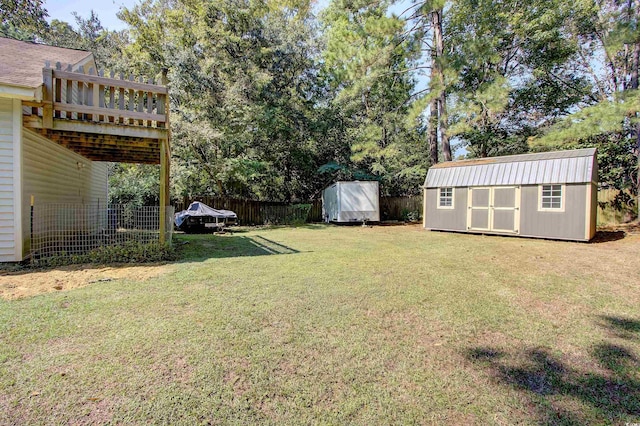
x,y
53,174
7,215
593,213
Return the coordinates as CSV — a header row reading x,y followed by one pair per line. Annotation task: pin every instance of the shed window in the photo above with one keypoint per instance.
x,y
445,198
551,197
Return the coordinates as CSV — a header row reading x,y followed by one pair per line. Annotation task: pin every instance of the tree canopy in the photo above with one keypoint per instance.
x,y
274,99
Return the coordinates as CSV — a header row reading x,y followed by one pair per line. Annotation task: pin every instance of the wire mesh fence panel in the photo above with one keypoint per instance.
x,y
75,229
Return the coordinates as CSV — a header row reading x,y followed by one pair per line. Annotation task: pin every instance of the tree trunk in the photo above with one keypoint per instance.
x,y
633,85
444,137
438,66
635,59
635,64
433,109
433,132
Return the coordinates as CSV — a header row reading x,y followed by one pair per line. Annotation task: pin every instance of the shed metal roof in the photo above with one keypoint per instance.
x,y
574,166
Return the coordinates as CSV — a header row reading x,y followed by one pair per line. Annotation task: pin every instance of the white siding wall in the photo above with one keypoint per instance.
x,y
54,174
7,230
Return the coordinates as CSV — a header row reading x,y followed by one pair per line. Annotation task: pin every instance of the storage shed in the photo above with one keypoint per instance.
x,y
544,195
350,202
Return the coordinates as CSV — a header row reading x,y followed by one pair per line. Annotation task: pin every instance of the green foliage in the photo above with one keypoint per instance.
x,y
617,115
128,252
494,140
134,184
270,102
242,81
411,215
515,65
106,46
22,19
610,34
366,63
617,164
611,126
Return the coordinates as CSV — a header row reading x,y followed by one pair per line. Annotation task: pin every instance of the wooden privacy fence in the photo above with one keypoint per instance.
x,y
251,212
608,215
401,208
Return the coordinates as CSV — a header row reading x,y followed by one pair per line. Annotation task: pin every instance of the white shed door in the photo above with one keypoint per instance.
x,y
494,209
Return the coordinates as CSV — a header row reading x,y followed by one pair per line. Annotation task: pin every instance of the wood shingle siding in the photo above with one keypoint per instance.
x,y
7,245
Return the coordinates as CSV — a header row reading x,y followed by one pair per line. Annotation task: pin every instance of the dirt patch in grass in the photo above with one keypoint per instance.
x,y
628,228
100,411
20,284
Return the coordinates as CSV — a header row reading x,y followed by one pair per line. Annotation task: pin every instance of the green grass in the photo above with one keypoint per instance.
x,y
324,324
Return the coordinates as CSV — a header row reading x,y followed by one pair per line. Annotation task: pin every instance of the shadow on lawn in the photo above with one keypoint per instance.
x,y
202,247
607,236
613,391
622,327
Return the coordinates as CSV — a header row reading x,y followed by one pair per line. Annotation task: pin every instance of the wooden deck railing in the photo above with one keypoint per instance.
x,y
90,98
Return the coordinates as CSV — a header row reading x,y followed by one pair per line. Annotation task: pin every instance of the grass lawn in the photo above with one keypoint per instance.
x,y
334,325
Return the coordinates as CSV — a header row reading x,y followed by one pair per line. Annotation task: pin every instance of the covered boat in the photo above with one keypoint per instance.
x,y
199,217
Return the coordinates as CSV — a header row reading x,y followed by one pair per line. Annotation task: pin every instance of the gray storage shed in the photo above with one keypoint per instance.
x,y
545,195
351,202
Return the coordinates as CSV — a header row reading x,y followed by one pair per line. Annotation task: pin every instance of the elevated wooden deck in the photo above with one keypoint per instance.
x,y
102,118
105,119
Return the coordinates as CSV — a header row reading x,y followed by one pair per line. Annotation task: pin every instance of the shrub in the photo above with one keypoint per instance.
x,y
410,215
128,252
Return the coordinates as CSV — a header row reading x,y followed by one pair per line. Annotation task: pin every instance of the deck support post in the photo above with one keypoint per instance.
x,y
165,164
164,189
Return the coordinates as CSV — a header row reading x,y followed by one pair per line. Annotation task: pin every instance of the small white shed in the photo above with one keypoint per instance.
x,y
350,202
